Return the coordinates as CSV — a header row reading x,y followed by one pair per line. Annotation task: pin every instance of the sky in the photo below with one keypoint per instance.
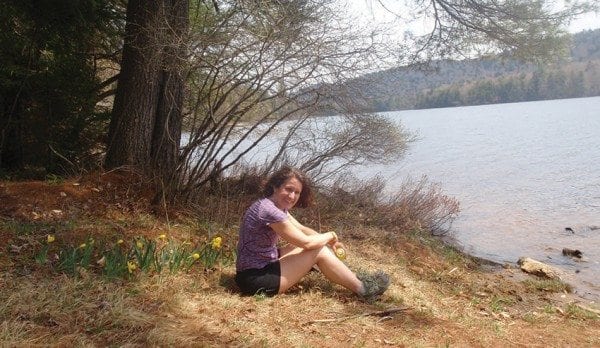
x,y
371,11
588,21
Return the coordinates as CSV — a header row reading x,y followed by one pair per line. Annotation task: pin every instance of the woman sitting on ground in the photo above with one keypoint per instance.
x,y
262,267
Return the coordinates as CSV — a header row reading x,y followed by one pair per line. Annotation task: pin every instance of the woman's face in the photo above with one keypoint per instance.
x,y
286,195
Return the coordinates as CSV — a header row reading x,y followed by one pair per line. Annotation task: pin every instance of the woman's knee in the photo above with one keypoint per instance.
x,y
324,253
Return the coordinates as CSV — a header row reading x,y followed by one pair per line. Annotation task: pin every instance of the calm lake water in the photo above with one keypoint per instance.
x,y
522,172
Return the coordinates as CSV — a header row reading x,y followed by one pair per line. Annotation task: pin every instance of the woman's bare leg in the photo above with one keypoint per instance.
x,y
296,262
337,271
288,249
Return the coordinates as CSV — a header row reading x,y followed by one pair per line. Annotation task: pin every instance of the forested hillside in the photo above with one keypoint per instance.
x,y
483,81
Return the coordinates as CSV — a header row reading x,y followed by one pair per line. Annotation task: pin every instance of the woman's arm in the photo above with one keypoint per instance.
x,y
310,232
307,230
294,235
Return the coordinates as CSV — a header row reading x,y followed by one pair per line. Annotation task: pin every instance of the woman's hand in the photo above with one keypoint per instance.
x,y
334,238
337,245
338,248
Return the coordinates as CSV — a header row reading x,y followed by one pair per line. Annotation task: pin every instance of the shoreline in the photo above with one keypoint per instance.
x,y
582,290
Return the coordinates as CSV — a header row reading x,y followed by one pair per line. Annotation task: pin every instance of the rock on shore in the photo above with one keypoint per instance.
x,y
538,268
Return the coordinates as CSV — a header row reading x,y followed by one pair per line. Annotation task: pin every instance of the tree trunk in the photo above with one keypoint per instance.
x,y
145,127
164,149
11,142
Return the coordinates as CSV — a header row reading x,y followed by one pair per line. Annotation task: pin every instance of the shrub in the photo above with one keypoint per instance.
x,y
422,203
415,205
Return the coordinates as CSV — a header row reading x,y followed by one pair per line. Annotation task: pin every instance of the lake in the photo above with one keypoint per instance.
x,y
523,173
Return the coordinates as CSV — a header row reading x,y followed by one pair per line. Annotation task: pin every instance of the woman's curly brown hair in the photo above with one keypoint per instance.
x,y
281,176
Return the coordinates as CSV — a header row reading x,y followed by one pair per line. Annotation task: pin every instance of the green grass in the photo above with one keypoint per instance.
x,y
549,285
576,312
531,318
54,179
28,228
498,303
549,309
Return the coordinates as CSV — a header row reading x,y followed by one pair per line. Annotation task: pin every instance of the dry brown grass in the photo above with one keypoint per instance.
x,y
451,300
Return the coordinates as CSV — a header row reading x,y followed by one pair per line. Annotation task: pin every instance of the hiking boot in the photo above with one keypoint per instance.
x,y
374,284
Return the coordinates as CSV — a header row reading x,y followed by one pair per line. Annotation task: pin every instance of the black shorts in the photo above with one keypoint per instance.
x,y
256,281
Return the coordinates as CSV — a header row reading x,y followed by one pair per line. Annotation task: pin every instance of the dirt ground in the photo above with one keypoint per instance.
x,y
438,297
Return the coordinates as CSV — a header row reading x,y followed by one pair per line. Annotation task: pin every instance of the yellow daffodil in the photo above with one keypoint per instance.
x,y
82,245
162,237
216,243
195,256
50,238
131,266
120,241
139,244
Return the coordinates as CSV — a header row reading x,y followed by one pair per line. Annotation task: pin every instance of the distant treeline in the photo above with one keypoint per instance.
x,y
477,81
573,81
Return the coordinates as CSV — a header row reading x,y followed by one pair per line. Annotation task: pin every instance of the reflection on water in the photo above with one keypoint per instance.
x,y
522,173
